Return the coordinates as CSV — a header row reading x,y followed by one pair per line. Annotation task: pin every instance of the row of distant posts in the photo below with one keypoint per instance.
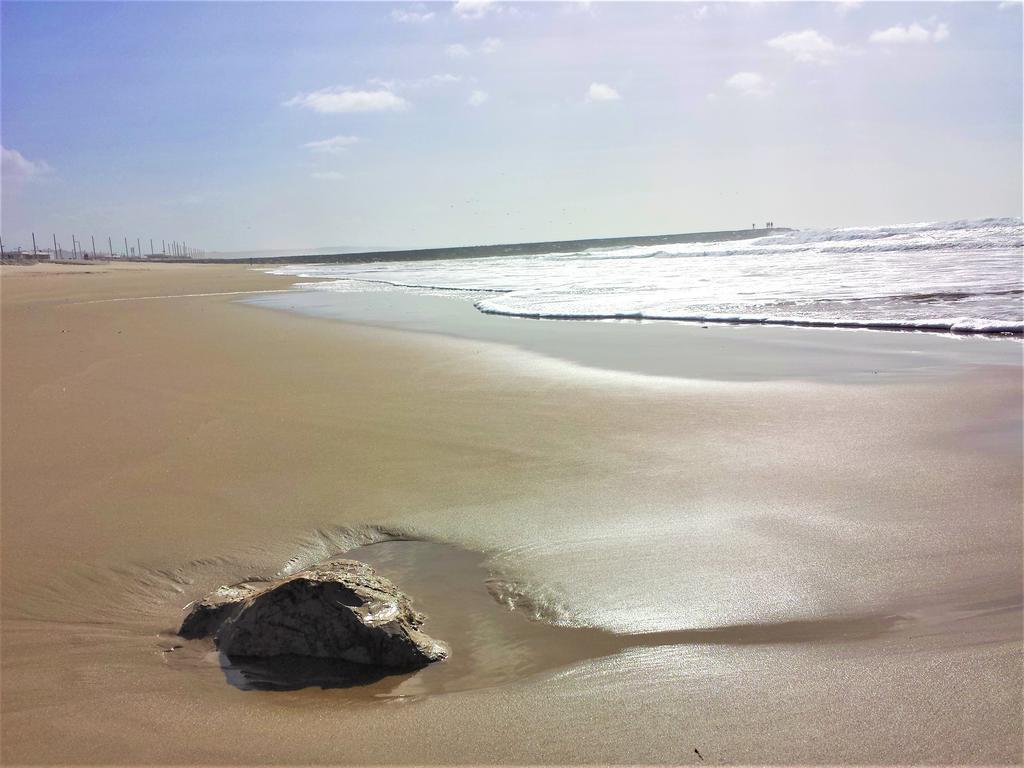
x,y
178,250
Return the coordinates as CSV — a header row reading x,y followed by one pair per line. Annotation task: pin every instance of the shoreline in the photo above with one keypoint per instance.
x,y
718,352
198,442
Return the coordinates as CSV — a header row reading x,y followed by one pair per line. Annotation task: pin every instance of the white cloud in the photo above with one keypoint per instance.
x,y
476,98
15,166
473,9
701,12
751,84
843,7
1007,4
490,45
577,6
340,99
914,33
807,46
487,46
416,15
335,145
457,51
420,82
442,79
327,175
602,92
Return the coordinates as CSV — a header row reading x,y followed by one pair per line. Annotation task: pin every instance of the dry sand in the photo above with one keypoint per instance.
x,y
802,572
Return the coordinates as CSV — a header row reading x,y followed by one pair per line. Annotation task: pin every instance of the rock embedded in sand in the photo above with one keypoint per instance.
x,y
336,610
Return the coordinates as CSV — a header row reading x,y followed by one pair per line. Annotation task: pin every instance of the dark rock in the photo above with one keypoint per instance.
x,y
337,610
208,614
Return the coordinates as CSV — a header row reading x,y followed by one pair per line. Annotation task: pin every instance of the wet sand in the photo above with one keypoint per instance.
x,y
660,348
770,571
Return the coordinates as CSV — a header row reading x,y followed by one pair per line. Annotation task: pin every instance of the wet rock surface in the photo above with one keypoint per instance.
x,y
339,610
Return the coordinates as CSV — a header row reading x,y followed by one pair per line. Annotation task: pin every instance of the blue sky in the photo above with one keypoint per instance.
x,y
243,126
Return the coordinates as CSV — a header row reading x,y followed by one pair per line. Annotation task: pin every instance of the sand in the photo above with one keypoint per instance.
x,y
770,571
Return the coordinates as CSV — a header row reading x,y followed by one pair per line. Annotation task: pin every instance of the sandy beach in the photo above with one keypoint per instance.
x,y
769,568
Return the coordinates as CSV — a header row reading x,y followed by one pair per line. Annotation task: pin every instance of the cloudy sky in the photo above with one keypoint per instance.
x,y
241,126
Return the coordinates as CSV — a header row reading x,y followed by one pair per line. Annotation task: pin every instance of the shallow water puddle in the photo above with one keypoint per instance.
x,y
490,643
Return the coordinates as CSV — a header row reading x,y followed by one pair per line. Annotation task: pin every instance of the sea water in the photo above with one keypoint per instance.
x,y
954,276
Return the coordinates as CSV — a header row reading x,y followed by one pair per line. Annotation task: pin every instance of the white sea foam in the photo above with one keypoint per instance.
x,y
959,276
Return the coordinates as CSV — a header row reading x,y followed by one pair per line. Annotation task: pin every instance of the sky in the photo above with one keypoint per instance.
x,y
248,126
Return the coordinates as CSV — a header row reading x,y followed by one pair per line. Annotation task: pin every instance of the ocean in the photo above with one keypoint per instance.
x,y
955,276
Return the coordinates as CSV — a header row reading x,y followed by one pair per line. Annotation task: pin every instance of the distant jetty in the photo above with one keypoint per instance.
x,y
483,251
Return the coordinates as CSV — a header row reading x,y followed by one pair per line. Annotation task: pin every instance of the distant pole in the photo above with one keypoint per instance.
x,y
74,248
110,247
163,247
34,249
151,246
55,255
126,246
1,247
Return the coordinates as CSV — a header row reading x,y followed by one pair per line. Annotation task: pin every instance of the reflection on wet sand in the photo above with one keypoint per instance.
x,y
491,644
